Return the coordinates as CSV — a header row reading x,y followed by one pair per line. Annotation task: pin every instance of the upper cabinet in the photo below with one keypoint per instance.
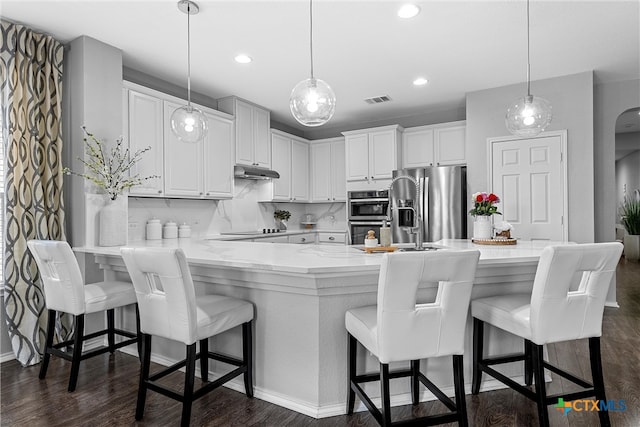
x,y
291,160
252,123
434,145
328,181
186,170
143,127
372,154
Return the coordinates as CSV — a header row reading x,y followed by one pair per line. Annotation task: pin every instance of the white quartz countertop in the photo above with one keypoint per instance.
x,y
305,259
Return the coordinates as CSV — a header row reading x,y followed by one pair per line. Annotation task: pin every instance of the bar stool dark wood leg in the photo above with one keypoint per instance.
x,y
528,362
247,357
598,381
478,342
189,379
51,323
138,333
458,378
385,395
77,351
111,326
351,374
415,382
144,374
204,360
541,389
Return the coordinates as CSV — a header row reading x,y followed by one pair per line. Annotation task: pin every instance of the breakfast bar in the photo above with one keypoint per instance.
x,y
301,294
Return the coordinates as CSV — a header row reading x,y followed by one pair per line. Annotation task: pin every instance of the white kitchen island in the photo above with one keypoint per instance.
x,y
301,294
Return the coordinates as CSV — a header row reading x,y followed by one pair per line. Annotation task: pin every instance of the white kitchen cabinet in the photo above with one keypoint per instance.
x,y
252,123
186,170
302,238
332,237
372,154
434,145
183,161
290,156
274,239
328,180
143,127
218,156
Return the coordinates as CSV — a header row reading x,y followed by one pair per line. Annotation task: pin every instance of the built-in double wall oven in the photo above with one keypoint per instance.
x,y
367,210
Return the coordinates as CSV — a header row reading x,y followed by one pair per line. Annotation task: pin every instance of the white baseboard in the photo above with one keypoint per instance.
x,y
5,357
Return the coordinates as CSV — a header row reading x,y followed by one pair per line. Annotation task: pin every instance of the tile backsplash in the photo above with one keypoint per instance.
x,y
243,212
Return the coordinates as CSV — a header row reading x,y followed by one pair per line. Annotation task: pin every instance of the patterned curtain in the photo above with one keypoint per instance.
x,y
31,111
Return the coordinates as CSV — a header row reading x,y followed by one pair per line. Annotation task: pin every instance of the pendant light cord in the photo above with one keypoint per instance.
x,y
311,34
528,56
189,54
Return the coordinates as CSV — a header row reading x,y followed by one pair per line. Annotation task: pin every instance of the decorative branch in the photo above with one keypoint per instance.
x,y
110,170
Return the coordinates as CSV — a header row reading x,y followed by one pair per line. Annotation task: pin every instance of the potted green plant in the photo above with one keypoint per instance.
x,y
281,218
630,216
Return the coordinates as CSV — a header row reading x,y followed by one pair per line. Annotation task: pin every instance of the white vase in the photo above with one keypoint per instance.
x,y
482,227
632,247
113,221
281,224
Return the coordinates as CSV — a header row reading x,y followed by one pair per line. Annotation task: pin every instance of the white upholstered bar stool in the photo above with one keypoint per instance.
x,y
169,308
567,303
66,292
398,329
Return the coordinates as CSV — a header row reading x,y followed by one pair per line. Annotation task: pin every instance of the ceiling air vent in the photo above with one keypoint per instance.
x,y
378,99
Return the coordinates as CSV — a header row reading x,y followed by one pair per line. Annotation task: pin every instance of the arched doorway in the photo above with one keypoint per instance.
x,y
627,158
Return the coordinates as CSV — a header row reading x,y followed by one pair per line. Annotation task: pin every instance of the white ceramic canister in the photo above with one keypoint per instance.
x,y
154,229
184,231
170,230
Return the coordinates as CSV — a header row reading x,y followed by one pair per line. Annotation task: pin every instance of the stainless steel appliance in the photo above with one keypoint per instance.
x,y
368,205
366,211
441,206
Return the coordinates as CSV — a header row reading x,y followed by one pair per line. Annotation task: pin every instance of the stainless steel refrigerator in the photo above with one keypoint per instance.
x,y
443,206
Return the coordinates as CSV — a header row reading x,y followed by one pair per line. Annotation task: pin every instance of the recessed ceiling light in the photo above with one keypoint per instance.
x,y
420,81
408,10
243,59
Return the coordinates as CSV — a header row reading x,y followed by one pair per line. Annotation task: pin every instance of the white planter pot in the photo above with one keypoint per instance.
x,y
482,227
632,247
113,221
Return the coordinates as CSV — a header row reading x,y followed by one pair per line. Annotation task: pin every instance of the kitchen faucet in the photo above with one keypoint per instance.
x,y
417,218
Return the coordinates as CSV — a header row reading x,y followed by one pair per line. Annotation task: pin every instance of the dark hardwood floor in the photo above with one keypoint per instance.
x,y
107,386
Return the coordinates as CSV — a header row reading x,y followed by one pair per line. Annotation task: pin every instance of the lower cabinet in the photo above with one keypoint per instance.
x,y
302,238
332,237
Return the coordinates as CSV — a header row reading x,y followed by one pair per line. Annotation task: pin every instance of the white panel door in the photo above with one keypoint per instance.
x,y
244,134
218,157
262,141
417,148
529,177
382,154
357,155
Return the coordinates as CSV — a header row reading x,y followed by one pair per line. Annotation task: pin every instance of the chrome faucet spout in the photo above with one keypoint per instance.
x,y
417,218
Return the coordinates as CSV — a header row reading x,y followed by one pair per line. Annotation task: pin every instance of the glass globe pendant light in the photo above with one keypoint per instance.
x,y
529,115
312,101
188,123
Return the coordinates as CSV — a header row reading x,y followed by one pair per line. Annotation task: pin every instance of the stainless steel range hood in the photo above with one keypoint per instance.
x,y
254,172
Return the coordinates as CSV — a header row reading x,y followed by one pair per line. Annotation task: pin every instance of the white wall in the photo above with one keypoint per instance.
x,y
610,100
572,100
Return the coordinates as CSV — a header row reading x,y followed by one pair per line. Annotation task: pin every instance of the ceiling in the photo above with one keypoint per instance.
x,y
361,48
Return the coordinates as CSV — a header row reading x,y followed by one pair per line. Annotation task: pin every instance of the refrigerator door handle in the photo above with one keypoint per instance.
x,y
425,209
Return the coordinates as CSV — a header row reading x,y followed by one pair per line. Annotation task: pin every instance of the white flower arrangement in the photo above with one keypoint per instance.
x,y
109,170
